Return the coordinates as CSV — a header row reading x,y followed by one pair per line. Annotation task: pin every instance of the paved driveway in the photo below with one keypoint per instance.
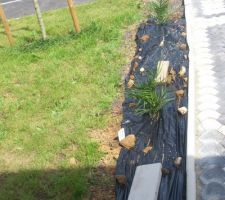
x,y
19,8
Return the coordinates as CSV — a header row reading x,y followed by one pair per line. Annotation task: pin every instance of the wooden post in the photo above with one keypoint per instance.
x,y
40,19
6,25
74,15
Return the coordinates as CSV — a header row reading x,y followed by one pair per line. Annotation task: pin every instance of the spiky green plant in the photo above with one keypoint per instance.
x,y
160,10
150,96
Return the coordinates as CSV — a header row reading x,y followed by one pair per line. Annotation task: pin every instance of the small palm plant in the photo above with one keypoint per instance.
x,y
160,9
150,96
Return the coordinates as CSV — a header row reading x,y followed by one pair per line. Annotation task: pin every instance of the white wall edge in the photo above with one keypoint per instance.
x,y
191,130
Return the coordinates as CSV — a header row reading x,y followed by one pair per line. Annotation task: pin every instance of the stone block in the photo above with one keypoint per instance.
x,y
146,182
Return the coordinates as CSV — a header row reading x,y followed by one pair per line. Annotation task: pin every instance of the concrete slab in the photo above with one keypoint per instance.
x,y
146,182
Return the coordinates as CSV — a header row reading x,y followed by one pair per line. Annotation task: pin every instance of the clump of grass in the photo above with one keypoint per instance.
x,y
150,96
160,10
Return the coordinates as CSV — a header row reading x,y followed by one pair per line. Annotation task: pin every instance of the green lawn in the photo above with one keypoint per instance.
x,y
53,93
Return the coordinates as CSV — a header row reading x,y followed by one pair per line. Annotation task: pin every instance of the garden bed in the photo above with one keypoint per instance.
x,y
161,139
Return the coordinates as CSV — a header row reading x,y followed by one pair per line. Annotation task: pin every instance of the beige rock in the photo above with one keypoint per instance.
x,y
186,79
184,34
178,161
128,142
180,93
121,179
183,46
130,83
182,110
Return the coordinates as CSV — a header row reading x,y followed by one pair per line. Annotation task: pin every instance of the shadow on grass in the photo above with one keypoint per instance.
x,y
60,184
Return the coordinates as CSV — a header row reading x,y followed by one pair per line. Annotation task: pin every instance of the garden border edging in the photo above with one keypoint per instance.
x,y
191,176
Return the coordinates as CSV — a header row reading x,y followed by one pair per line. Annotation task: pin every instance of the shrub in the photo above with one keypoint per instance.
x,y
160,10
150,96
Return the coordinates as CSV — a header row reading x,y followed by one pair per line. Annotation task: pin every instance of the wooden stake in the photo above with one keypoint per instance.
x,y
74,15
40,19
6,25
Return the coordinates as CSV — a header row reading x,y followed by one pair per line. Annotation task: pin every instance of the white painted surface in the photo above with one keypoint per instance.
x,y
10,2
191,176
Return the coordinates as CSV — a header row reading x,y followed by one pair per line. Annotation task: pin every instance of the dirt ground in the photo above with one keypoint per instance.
x,y
103,187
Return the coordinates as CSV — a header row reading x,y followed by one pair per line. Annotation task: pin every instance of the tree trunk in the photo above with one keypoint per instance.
x,y
6,25
40,19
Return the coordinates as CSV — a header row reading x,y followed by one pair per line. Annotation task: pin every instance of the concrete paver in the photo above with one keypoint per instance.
x,y
206,22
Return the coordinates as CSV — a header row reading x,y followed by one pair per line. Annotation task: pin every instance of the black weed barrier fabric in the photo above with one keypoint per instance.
x,y
169,133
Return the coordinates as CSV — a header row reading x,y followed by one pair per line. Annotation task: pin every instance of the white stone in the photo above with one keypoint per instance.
x,y
146,182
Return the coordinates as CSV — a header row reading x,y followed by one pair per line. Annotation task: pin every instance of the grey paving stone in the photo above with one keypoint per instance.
x,y
211,161
213,174
211,148
207,33
212,135
213,191
221,119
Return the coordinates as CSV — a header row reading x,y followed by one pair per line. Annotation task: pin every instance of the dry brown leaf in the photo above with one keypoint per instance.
x,y
147,149
145,38
169,79
182,71
135,65
132,105
132,77
130,83
121,179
